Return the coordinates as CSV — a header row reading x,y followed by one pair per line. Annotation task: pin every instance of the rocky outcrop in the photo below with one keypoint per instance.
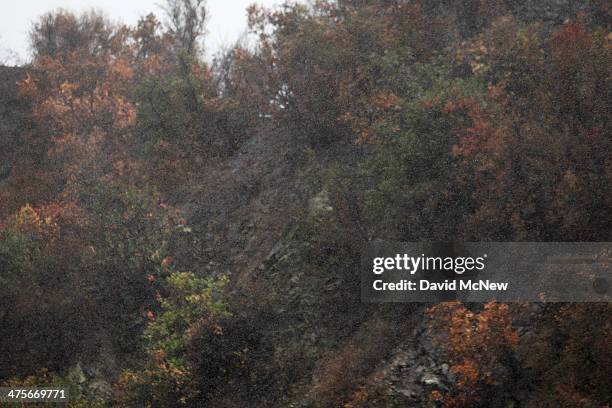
x,y
418,368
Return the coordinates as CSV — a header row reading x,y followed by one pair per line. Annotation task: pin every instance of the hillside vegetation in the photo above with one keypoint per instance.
x,y
177,233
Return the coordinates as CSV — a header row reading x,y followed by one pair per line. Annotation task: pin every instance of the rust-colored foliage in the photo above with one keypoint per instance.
x,y
474,343
531,147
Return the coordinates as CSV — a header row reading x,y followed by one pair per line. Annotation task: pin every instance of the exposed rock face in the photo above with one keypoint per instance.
x,y
418,367
245,206
415,369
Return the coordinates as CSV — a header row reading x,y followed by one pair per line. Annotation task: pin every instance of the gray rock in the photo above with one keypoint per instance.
x,y
430,379
320,203
411,393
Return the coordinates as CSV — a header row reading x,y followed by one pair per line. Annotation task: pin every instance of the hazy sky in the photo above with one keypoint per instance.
x,y
227,19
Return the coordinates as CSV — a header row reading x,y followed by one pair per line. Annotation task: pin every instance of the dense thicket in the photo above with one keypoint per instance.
x,y
132,270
